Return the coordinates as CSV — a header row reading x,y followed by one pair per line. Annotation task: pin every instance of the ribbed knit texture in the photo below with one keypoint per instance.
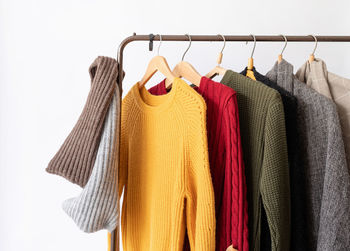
x,y
164,170
76,157
226,163
322,151
296,172
265,156
96,207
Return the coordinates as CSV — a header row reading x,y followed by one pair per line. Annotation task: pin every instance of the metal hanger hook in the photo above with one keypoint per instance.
x,y
160,43
285,43
189,46
251,55
222,49
316,41
223,38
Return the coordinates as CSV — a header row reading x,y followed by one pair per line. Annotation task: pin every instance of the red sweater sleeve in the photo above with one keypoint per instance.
x,y
235,204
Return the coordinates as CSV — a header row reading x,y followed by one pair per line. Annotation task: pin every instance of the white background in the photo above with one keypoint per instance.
x,y
46,48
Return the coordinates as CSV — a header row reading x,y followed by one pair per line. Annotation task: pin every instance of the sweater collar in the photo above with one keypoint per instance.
x,y
244,72
202,85
315,75
153,103
282,73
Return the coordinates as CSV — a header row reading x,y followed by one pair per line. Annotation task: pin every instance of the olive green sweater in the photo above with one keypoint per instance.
x,y
263,135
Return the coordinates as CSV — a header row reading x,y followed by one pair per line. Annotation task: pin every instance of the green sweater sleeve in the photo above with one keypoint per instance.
x,y
274,182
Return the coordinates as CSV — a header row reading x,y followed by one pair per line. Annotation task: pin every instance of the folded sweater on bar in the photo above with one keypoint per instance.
x,y
76,157
97,206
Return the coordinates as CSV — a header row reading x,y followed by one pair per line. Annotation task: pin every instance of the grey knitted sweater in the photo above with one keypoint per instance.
x,y
97,206
324,160
97,130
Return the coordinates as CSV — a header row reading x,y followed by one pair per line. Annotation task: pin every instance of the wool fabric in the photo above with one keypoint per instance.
x,y
164,171
226,162
76,157
334,87
262,124
327,186
97,206
297,183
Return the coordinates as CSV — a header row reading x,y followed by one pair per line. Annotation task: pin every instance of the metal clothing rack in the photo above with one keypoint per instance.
x,y
212,38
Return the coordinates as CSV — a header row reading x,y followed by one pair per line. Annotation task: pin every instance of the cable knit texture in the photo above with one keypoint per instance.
x,y
323,156
265,156
164,170
226,163
76,157
296,172
97,206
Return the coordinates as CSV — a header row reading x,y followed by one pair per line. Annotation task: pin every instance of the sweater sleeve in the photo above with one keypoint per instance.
x,y
123,155
334,216
235,204
274,182
122,171
200,205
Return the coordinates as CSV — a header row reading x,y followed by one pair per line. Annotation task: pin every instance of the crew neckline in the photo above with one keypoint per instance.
x,y
153,103
204,80
226,76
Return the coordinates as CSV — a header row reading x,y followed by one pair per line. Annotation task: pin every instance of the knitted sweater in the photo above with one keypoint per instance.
x,y
97,206
297,184
76,157
226,162
164,170
334,87
265,156
323,156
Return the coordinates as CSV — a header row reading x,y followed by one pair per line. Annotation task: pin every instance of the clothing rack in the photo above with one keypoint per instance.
x,y
213,38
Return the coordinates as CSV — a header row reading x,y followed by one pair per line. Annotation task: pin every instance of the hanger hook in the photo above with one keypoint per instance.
x,y
285,43
219,59
254,37
316,41
160,43
189,46
223,38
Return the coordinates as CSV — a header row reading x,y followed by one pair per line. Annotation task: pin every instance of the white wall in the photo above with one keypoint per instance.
x,y
46,48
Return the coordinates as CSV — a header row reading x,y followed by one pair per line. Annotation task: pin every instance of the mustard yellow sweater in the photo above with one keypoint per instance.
x,y
164,170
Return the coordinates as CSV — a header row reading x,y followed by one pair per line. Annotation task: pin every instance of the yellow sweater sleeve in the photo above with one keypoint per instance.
x,y
200,196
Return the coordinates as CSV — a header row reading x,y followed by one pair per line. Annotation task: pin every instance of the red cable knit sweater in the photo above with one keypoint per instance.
x,y
226,163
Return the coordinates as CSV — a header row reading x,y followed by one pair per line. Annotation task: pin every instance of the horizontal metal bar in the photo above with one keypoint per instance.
x,y
232,38
260,38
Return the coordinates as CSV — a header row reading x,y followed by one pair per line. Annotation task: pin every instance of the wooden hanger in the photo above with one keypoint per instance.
x,y
284,47
250,73
157,63
230,248
185,70
218,70
312,56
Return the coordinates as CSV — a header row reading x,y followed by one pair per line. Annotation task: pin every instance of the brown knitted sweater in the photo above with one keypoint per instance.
x,y
75,159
